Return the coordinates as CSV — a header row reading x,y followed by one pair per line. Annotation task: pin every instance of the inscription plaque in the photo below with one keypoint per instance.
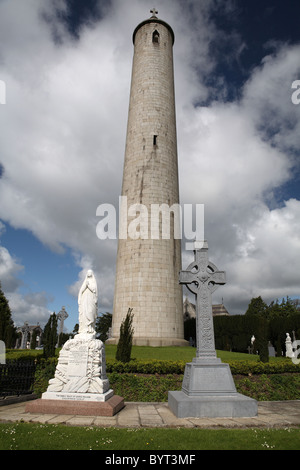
x,y
77,365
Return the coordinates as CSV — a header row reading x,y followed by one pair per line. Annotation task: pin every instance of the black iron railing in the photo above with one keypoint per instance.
x,y
17,378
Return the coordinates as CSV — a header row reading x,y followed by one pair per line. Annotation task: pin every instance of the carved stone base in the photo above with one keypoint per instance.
x,y
207,377
81,367
208,390
70,407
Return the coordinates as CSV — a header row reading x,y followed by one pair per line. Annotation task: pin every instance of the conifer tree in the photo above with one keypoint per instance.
x,y
257,307
50,336
261,339
125,341
103,323
7,329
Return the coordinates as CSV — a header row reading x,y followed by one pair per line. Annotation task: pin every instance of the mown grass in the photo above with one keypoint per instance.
x,y
173,353
155,387
33,436
167,353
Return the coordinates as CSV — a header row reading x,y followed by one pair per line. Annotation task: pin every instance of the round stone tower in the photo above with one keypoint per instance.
x,y
149,258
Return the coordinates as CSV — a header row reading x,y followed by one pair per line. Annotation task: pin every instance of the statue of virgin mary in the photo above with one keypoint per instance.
x,y
87,303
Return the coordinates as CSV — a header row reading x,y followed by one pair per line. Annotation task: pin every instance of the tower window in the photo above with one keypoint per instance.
x,y
154,139
155,37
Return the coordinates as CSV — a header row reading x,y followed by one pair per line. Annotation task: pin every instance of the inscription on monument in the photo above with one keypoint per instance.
x,y
77,365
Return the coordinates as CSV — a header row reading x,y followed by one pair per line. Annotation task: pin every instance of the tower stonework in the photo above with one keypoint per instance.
x,y
147,272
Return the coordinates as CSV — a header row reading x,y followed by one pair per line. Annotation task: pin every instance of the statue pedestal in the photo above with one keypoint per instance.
x,y
74,407
80,385
208,390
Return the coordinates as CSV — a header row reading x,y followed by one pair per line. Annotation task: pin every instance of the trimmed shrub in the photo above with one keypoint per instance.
x,y
125,342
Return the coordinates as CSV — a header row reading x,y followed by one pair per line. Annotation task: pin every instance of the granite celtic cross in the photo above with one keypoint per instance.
x,y
202,278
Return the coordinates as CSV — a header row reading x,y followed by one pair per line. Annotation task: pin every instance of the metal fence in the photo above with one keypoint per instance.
x,y
17,378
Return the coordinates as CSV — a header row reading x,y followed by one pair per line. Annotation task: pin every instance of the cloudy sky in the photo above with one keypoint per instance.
x,y
66,66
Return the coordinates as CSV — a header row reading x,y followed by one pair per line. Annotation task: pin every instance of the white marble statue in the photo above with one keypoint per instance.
x,y
81,370
288,346
87,303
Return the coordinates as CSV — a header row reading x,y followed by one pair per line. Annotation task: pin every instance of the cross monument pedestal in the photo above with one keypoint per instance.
x,y
208,389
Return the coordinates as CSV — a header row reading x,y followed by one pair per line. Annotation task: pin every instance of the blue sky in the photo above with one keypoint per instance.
x,y
67,67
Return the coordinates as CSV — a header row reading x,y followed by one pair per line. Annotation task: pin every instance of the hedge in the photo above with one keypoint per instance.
x,y
121,373
177,367
248,368
154,366
146,367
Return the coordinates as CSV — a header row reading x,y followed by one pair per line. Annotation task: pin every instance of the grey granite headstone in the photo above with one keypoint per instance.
x,y
208,389
272,352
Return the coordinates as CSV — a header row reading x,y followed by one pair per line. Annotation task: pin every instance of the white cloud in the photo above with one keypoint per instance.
x,y
267,97
63,141
266,260
9,269
30,307
233,156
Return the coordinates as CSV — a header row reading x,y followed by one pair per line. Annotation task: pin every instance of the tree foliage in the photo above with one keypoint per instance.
x,y
257,307
103,323
286,308
125,341
50,336
268,323
8,332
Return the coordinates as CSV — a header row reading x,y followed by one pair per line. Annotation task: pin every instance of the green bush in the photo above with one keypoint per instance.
x,y
177,367
45,371
125,341
147,367
139,373
147,388
23,355
273,387
279,367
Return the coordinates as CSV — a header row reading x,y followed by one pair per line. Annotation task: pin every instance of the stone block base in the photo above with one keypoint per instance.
x,y
232,406
155,342
72,407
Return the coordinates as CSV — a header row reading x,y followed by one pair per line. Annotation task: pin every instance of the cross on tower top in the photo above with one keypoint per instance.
x,y
154,12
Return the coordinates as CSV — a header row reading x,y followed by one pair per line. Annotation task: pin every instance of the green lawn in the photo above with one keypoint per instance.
x,y
173,353
30,436
167,353
54,437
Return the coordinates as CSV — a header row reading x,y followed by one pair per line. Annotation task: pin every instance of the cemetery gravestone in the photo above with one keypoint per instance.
x,y
208,389
272,352
2,352
62,316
